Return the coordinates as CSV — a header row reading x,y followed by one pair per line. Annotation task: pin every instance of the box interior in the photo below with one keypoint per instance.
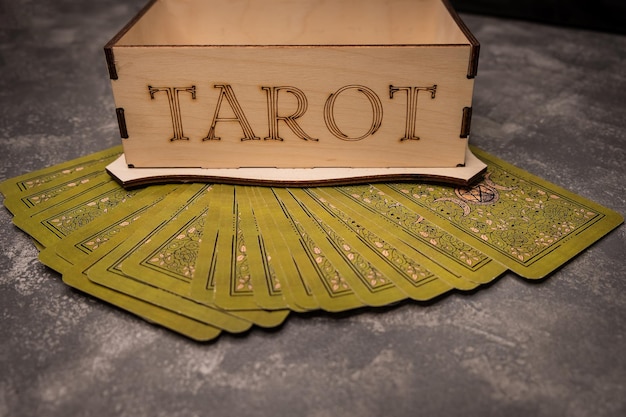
x,y
294,22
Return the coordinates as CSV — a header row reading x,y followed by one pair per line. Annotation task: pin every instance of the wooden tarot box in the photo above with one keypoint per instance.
x,y
294,84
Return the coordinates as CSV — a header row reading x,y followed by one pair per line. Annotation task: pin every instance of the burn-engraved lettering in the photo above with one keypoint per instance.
x,y
227,91
411,107
290,120
275,115
377,112
173,99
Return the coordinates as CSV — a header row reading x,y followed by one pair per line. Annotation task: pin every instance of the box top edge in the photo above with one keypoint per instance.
x,y
297,46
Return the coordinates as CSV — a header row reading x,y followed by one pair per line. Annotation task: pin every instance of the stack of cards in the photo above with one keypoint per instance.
x,y
205,258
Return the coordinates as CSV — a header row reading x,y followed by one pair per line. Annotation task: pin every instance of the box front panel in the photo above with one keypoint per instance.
x,y
230,107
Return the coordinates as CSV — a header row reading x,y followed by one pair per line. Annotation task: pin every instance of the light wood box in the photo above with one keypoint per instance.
x,y
294,84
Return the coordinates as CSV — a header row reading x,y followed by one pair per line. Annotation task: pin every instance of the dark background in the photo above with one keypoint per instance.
x,y
604,15
548,99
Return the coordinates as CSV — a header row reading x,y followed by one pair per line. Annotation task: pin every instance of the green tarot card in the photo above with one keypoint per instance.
x,y
168,259
527,224
411,271
93,235
367,281
270,289
23,208
280,264
248,271
64,217
401,268
37,245
48,256
91,243
36,199
60,173
76,276
465,265
230,256
147,282
108,269
222,265
303,260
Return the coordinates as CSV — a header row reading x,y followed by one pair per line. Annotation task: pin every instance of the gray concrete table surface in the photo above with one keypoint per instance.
x,y
549,100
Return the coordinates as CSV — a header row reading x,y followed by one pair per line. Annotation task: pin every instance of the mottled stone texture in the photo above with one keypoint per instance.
x,y
550,100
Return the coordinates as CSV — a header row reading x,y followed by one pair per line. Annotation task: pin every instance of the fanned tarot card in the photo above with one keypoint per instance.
x,y
200,259
521,221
